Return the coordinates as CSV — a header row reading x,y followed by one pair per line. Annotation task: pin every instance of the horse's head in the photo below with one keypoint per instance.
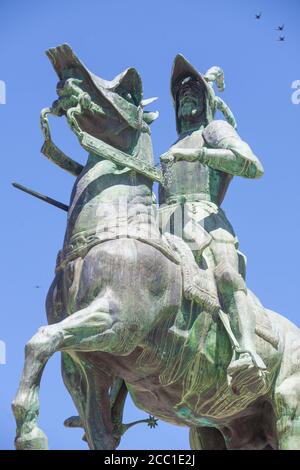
x,y
112,110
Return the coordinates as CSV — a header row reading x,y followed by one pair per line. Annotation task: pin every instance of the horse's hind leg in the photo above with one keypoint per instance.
x,y
99,399
89,389
287,401
94,328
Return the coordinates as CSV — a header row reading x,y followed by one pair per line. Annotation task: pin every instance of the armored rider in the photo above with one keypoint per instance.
x,y
197,171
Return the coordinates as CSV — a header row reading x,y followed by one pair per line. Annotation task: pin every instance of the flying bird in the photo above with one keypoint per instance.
x,y
281,38
37,287
280,28
257,17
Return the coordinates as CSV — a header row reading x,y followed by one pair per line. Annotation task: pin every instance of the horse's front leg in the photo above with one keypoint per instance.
x,y
95,328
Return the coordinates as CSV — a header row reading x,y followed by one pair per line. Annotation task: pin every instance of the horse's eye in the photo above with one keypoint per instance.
x,y
126,95
131,98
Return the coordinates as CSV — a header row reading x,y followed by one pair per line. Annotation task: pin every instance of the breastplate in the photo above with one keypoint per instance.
x,y
192,181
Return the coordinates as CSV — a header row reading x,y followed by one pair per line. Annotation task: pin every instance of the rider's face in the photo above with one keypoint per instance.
x,y
191,101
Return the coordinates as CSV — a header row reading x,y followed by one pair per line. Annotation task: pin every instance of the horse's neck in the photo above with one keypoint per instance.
x,y
142,151
104,188
104,181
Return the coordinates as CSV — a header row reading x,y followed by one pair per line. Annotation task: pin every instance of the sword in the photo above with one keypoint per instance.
x,y
42,197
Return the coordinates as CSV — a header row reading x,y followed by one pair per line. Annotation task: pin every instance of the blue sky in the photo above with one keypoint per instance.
x,y
109,37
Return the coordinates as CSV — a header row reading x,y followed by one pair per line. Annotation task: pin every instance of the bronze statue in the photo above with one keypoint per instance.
x,y
149,312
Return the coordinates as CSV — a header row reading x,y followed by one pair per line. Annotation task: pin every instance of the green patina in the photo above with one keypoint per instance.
x,y
152,300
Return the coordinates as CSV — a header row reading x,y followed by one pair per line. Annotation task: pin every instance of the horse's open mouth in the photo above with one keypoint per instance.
x,y
121,96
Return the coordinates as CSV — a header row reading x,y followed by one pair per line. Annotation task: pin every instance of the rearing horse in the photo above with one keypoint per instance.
x,y
117,310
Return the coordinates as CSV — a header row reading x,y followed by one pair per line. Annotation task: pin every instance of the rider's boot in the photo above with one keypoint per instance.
x,y
247,371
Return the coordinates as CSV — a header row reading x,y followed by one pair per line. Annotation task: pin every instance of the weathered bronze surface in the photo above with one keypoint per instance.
x,y
152,301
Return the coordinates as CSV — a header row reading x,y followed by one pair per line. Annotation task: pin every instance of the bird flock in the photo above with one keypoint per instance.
x,y
279,28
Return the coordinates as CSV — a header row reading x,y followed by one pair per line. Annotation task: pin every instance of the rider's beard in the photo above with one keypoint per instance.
x,y
187,110
190,113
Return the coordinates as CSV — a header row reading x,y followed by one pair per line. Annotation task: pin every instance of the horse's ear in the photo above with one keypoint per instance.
x,y
148,101
131,81
149,116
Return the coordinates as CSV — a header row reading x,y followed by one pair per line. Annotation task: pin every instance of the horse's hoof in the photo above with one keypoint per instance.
x,y
34,440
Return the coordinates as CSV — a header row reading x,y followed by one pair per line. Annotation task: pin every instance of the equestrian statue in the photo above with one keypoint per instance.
x,y
151,299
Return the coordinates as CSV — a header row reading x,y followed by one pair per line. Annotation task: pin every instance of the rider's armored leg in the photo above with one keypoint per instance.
x,y
233,294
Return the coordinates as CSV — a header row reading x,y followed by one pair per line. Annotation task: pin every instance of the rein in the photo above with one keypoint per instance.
x,y
91,143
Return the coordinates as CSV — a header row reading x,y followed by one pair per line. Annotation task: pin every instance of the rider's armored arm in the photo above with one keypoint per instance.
x,y
224,150
227,152
232,162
